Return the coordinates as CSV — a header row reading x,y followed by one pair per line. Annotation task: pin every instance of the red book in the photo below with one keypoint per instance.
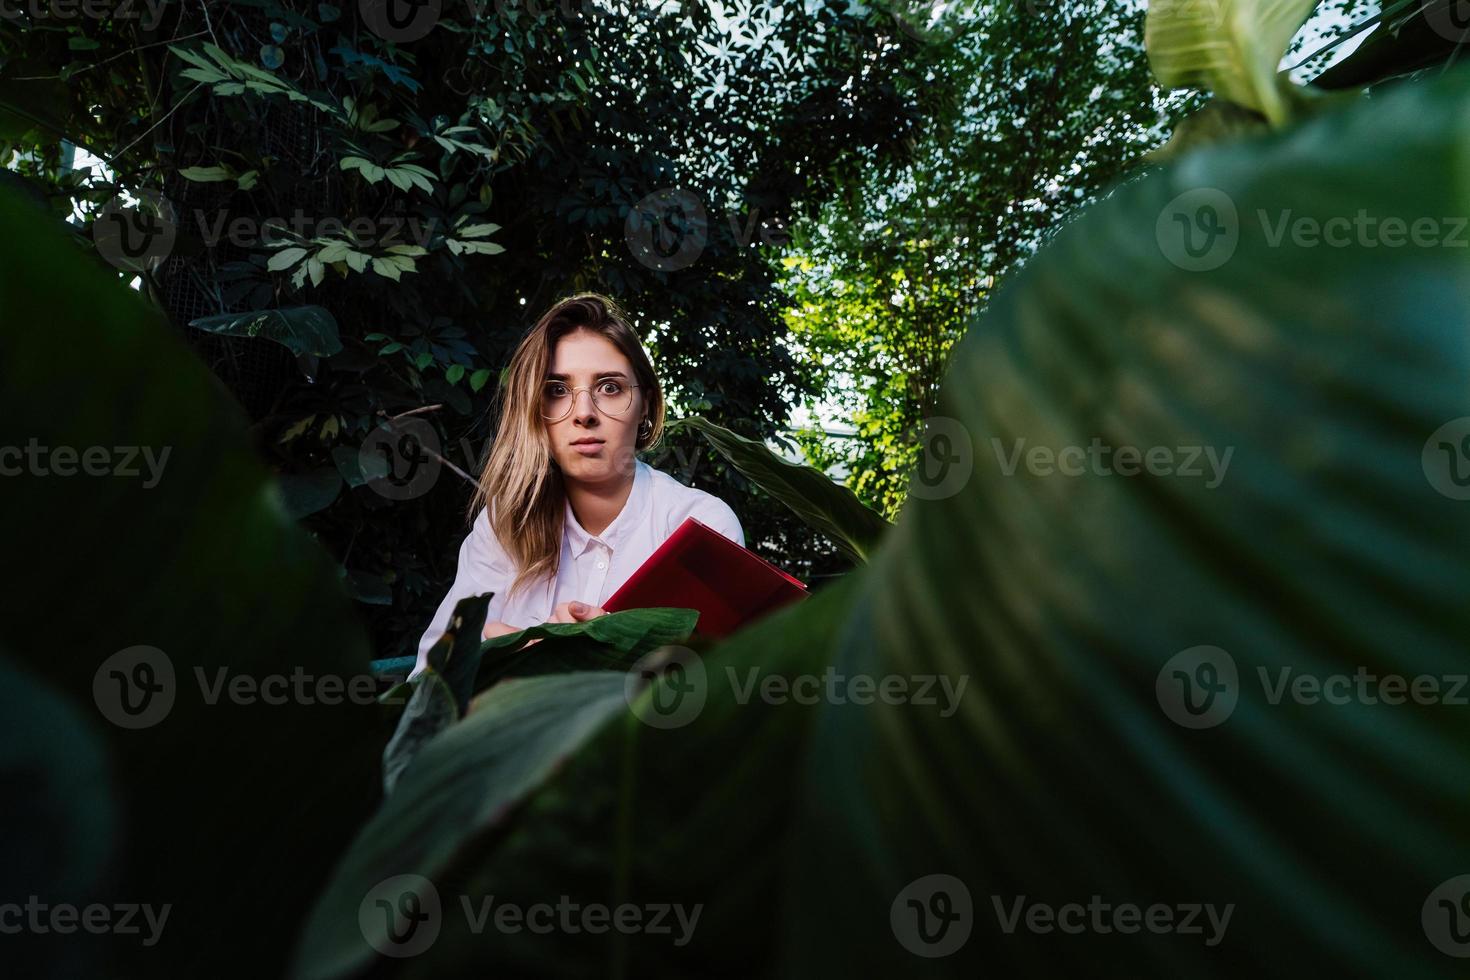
x,y
699,568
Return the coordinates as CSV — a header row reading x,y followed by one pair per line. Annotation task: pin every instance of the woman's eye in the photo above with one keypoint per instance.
x,y
556,389
612,387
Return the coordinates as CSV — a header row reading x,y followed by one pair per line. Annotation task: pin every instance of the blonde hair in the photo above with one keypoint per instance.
x,y
521,482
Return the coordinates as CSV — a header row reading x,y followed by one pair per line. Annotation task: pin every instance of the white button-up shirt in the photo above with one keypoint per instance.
x,y
592,567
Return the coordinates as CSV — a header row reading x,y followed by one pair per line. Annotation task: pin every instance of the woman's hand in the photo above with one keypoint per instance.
x,y
496,628
566,612
575,612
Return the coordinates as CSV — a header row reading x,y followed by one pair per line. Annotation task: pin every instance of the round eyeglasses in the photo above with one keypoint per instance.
x,y
612,397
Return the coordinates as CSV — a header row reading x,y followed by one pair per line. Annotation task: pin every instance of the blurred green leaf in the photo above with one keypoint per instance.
x,y
811,494
198,565
1229,47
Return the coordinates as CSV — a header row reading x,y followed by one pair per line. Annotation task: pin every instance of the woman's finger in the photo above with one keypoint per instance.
x,y
582,612
496,628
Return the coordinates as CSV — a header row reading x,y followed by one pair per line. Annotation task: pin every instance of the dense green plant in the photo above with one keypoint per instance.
x,y
1062,600
1059,601
1046,105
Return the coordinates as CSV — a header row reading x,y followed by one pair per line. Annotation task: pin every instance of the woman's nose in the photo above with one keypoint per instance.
x,y
583,409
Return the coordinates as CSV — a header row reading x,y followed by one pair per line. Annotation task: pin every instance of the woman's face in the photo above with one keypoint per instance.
x,y
593,363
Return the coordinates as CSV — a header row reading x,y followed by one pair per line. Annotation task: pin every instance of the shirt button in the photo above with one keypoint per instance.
x,y
602,564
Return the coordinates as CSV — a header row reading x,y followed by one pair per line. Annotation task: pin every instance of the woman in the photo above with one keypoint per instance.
x,y
564,511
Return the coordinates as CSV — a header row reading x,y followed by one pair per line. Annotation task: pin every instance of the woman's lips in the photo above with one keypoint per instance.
x,y
588,448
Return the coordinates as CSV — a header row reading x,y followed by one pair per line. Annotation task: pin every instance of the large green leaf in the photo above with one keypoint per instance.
x,y
458,666
462,787
696,813
1068,603
609,642
812,495
142,520
430,711
456,657
304,329
1230,47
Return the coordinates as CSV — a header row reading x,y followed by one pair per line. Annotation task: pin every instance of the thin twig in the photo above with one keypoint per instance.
x,y
389,419
411,411
161,121
465,476
99,64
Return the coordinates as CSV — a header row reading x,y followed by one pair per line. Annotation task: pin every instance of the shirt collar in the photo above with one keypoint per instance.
x,y
628,518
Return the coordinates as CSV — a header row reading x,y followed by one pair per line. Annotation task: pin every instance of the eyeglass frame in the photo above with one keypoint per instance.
x,y
587,388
